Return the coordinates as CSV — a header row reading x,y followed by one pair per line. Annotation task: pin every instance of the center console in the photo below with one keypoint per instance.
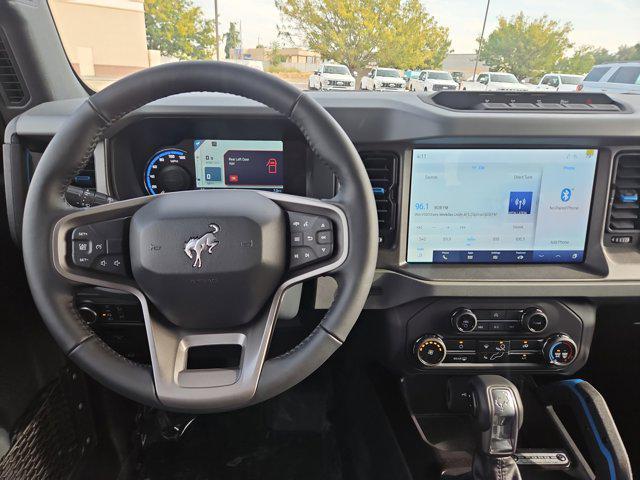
x,y
487,334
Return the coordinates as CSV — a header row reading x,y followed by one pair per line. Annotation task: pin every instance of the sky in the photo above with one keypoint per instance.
x,y
601,23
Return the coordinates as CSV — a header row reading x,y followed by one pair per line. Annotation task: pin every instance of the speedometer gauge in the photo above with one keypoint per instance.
x,y
166,172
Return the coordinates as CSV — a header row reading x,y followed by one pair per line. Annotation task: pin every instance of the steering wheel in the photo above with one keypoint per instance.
x,y
209,267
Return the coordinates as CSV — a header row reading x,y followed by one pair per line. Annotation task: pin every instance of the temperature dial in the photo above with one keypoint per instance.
x,y
430,350
560,350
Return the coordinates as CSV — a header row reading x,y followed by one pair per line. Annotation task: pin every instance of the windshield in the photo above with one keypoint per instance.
x,y
503,78
440,76
388,72
336,69
108,39
571,79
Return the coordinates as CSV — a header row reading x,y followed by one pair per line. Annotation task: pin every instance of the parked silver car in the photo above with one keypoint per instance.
x,y
612,77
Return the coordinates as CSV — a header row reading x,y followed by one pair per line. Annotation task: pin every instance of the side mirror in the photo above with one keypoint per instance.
x,y
484,81
354,74
317,72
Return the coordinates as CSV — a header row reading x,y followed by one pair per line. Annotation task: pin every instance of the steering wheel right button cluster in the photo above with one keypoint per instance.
x,y
311,238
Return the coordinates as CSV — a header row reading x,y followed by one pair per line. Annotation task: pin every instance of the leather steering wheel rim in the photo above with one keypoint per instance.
x,y
72,147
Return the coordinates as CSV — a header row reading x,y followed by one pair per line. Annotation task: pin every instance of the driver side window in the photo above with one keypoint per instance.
x,y
483,78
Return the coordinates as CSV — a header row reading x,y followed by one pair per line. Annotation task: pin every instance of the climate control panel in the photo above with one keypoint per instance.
x,y
545,336
530,319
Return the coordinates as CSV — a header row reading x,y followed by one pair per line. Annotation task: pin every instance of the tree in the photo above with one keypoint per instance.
x,y
395,33
581,61
275,55
232,39
526,47
413,39
628,54
178,28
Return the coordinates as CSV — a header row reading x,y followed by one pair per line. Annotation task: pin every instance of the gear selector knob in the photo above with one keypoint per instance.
x,y
498,414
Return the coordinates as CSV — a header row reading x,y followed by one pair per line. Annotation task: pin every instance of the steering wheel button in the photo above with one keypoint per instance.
x,y
301,256
82,253
324,237
324,250
83,233
111,264
296,238
301,221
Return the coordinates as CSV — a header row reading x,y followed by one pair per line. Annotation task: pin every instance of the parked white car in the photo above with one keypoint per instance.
x,y
496,82
332,76
612,77
559,82
383,79
433,81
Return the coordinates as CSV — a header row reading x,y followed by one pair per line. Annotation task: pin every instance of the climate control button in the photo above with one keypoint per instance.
x,y
464,320
430,350
560,350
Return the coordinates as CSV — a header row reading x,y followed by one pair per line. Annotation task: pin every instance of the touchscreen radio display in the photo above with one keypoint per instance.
x,y
239,164
500,206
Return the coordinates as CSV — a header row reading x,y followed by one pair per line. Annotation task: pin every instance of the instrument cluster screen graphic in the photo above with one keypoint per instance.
x,y
239,164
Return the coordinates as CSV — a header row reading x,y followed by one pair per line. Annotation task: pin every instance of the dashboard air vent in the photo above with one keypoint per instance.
x,y
624,214
11,86
382,168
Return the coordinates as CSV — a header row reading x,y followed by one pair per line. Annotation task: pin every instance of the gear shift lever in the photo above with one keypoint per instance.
x,y
498,416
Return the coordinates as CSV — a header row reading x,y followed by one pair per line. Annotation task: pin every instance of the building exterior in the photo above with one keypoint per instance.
x,y
104,39
294,58
463,62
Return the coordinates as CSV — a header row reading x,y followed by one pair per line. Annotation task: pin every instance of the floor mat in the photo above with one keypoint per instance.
x,y
280,456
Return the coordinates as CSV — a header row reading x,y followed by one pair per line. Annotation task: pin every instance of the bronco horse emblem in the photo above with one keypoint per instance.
x,y
196,245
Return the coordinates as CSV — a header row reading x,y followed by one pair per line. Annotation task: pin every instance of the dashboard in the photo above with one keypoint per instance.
x,y
489,220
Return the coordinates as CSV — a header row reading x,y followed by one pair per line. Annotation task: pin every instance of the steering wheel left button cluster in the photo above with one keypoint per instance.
x,y
100,246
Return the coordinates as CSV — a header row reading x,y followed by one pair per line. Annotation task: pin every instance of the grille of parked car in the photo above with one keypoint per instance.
x,y
339,83
438,88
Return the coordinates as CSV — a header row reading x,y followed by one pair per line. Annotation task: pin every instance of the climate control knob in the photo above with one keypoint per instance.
x,y
430,350
560,350
534,320
464,320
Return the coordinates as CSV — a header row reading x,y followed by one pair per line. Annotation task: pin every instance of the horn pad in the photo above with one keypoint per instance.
x,y
209,259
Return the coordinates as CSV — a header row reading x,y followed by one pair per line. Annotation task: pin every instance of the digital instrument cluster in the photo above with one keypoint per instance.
x,y
213,163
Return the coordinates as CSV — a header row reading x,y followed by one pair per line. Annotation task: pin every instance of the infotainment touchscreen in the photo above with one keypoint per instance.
x,y
239,164
499,205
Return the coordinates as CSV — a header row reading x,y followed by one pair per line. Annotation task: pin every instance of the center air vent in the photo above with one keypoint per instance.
x,y
382,168
625,205
11,85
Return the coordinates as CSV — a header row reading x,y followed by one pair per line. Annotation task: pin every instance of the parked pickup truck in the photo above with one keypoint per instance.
x,y
495,82
332,76
559,82
433,81
383,79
